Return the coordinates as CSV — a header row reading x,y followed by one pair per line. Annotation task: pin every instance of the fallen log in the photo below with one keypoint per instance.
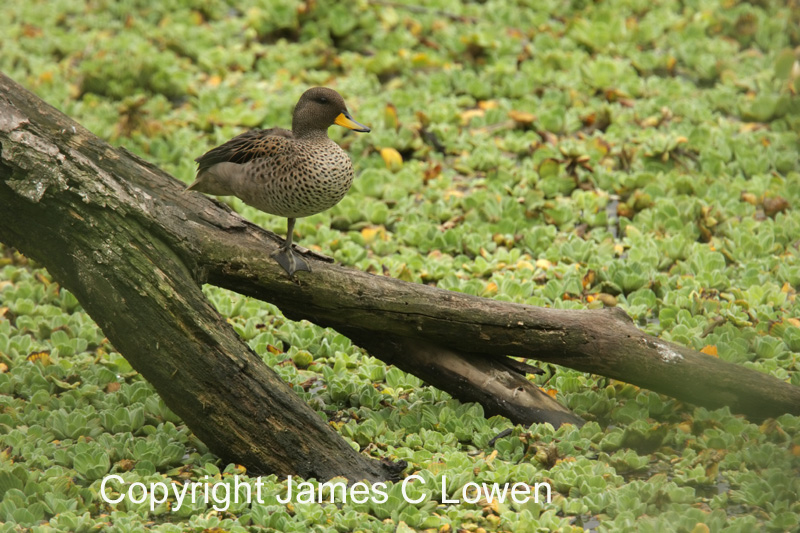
x,y
134,248
127,241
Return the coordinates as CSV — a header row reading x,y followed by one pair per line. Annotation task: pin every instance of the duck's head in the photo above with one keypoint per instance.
x,y
318,109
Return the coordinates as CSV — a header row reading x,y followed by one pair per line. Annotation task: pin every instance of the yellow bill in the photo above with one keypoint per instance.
x,y
345,120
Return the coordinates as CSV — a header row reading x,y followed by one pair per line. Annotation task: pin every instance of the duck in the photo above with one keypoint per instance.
x,y
290,174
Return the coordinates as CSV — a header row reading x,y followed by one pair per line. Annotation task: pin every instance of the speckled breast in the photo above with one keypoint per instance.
x,y
315,179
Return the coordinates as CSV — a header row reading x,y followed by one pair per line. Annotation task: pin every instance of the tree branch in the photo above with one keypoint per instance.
x,y
123,236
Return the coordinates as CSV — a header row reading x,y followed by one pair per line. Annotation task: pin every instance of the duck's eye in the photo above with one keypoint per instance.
x,y
322,100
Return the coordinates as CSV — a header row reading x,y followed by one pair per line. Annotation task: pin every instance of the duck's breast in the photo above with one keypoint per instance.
x,y
312,178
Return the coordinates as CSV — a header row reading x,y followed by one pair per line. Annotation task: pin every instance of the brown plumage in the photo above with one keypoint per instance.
x,y
292,174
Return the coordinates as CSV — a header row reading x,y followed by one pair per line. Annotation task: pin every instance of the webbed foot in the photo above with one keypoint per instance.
x,y
290,261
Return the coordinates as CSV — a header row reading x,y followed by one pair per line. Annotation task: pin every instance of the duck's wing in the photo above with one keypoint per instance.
x,y
219,167
245,147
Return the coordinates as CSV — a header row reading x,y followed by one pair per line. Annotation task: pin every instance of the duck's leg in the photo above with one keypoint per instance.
x,y
285,256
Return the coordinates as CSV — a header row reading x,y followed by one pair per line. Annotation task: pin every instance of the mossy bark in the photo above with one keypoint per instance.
x,y
134,248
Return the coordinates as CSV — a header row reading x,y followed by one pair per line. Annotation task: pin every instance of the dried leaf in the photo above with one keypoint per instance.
x,y
774,205
522,118
432,172
749,197
469,114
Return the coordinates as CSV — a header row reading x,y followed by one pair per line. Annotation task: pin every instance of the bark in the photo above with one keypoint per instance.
x,y
133,247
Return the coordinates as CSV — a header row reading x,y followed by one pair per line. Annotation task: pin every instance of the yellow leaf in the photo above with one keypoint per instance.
x,y
650,122
523,264
370,234
420,59
437,467
405,274
602,146
550,392
544,264
392,158
488,104
608,300
196,18
390,114
491,288
42,357
469,114
493,505
632,231
710,349
748,127
523,118
749,197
